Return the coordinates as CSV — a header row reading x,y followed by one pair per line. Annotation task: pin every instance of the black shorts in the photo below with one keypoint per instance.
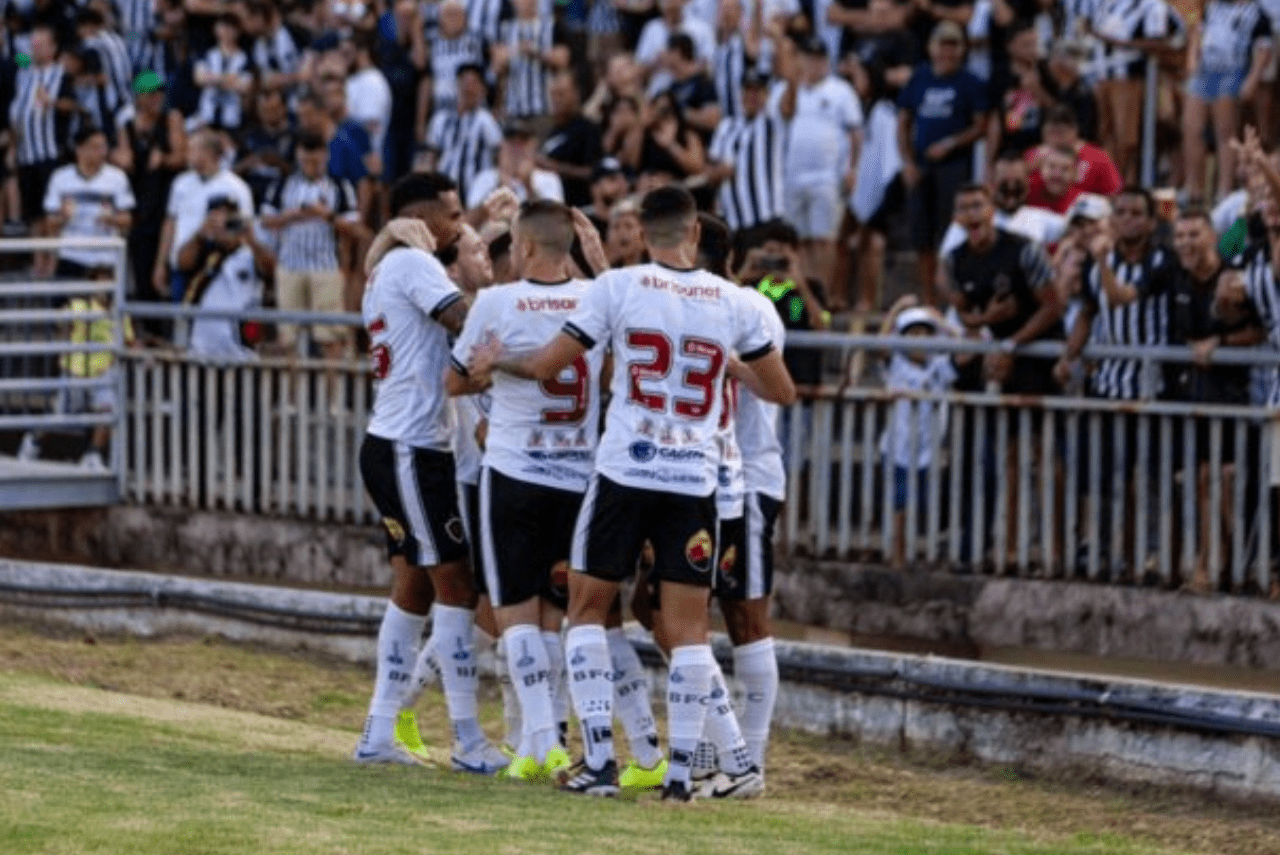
x,y
616,521
525,531
931,203
469,499
416,492
33,180
744,561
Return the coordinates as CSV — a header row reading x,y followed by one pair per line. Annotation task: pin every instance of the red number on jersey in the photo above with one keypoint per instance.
x,y
655,369
701,379
379,354
730,405
578,389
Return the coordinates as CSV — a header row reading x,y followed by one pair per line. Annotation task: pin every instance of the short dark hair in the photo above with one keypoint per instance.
x,y
1196,212
973,187
1061,114
665,211
547,224
89,17
714,244
500,247
1142,193
419,187
230,18
471,68
308,141
778,230
87,133
681,44
1010,155
312,97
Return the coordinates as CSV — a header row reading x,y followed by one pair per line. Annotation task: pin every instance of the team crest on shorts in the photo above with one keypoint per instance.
x,y
454,529
727,561
394,529
698,549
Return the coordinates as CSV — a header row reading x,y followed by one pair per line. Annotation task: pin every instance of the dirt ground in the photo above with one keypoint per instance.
x,y
839,772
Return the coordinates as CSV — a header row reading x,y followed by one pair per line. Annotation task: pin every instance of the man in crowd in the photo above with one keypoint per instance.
x,y
464,139
572,146
88,198
516,170
1093,172
747,155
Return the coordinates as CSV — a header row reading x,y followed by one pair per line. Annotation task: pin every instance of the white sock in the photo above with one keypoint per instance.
x,y
398,639
721,727
756,667
592,690
452,637
560,701
510,700
426,672
530,674
688,683
704,758
631,699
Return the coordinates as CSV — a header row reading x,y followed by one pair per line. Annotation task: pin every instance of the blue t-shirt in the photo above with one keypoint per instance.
x,y
942,106
347,151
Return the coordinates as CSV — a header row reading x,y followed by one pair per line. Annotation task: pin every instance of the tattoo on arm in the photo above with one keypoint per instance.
x,y
453,317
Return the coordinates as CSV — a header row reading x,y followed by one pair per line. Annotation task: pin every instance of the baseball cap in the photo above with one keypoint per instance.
x,y
1089,206
605,167
915,316
146,82
812,45
947,31
517,128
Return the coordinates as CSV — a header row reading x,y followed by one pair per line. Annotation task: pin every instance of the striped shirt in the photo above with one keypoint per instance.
x,y
116,63
311,245
100,107
729,64
1261,286
446,57
221,108
527,76
1230,33
136,18
1143,322
40,128
466,144
486,17
276,53
1128,20
753,147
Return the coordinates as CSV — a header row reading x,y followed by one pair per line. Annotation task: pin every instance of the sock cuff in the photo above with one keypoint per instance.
x,y
755,650
455,612
692,654
616,633
587,634
551,636
408,619
521,630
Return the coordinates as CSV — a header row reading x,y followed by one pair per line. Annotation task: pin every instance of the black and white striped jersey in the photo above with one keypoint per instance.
x,y
1229,34
135,20
466,144
100,107
730,63
1261,286
221,108
310,245
447,55
40,130
527,76
753,147
1129,20
117,64
1142,322
486,18
276,53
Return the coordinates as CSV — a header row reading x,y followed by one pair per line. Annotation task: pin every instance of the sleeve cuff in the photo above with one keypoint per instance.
x,y
759,352
458,366
444,304
575,332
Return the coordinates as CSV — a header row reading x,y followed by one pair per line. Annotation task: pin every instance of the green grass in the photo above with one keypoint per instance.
x,y
84,771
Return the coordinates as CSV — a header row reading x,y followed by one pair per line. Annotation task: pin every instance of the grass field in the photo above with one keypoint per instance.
x,y
187,747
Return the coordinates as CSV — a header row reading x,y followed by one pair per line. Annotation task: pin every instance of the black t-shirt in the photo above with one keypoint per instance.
x,y
693,93
576,142
890,49
1013,265
804,364
275,149
1194,318
1079,97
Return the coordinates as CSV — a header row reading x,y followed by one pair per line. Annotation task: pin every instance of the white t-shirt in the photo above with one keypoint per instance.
x,y
818,137
654,35
235,286
671,332
546,185
405,295
1035,224
189,199
539,432
756,420
369,104
908,446
92,198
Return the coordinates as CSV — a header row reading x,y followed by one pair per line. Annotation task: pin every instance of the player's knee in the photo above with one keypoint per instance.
x,y
747,621
453,584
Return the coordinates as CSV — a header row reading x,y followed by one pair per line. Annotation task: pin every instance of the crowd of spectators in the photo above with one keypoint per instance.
x,y
246,148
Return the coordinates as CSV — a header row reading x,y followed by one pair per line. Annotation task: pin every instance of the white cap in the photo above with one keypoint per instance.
x,y
1091,206
913,316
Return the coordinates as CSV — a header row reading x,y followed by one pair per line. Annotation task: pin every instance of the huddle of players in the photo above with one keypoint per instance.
x,y
682,351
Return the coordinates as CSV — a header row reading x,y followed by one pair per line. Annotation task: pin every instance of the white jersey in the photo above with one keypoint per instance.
x,y
539,432
730,479
88,200
469,410
406,293
756,420
671,332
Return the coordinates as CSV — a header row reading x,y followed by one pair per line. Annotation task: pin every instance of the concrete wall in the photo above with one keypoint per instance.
x,y
963,613
920,705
